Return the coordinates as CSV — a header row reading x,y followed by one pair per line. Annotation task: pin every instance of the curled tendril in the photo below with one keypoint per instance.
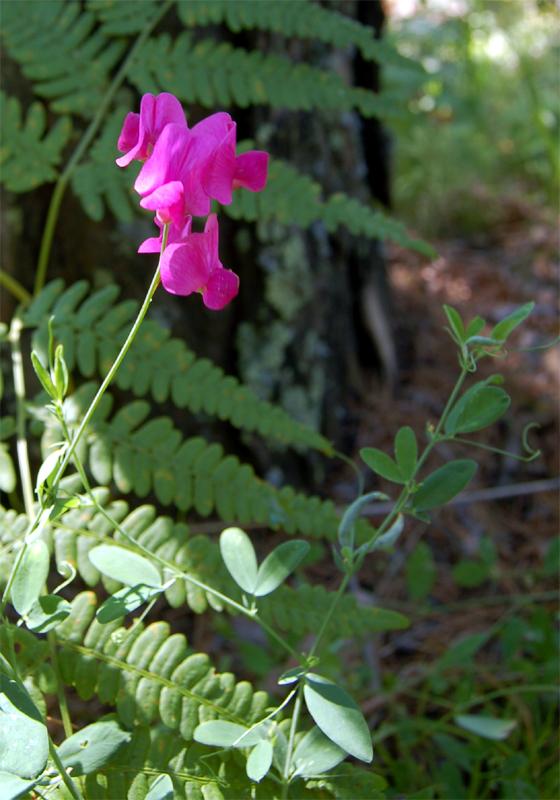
x,y
540,347
526,445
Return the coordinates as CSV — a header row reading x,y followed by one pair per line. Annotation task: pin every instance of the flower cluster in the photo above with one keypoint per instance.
x,y
183,170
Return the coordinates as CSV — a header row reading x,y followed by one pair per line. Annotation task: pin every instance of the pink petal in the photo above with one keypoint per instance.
x,y
128,139
173,235
167,111
222,286
219,174
184,266
215,127
167,159
251,170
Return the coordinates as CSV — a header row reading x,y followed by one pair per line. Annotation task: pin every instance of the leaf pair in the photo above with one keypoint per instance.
x,y
406,454
241,561
498,335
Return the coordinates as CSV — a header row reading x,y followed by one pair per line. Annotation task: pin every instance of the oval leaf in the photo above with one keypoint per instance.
x,y
444,484
382,464
278,565
505,327
476,409
487,727
12,787
93,747
24,741
239,557
455,322
260,760
124,566
338,716
161,789
316,754
124,601
47,613
406,452
348,521
219,733
31,576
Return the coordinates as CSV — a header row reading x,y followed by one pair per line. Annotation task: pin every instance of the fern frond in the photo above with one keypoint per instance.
x,y
97,181
213,73
93,332
122,18
291,197
151,456
27,159
57,47
305,20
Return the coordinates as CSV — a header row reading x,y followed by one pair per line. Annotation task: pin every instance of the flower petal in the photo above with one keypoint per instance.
x,y
251,170
222,286
174,235
184,268
219,174
167,160
128,140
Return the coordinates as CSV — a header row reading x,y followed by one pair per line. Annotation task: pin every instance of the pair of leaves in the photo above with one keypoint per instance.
x,y
141,578
406,454
220,733
241,561
499,334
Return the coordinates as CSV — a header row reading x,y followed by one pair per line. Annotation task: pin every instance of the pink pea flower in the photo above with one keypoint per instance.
x,y
173,235
192,265
141,131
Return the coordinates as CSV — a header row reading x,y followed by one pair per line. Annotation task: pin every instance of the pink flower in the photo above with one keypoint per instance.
x,y
173,235
192,265
141,131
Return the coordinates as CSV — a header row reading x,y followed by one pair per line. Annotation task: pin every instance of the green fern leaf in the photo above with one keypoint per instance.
x,y
27,159
188,70
306,20
122,18
58,48
98,181
92,335
293,198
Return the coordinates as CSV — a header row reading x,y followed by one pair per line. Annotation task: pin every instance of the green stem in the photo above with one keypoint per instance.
x,y
14,287
328,615
293,730
63,705
79,152
70,785
21,415
177,573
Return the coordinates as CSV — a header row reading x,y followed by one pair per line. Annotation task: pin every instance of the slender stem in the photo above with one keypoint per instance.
x,y
111,374
293,730
63,705
173,569
79,152
21,415
14,287
330,612
70,785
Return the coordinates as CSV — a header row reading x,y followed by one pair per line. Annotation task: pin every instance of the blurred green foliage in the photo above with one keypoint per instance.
x,y
485,124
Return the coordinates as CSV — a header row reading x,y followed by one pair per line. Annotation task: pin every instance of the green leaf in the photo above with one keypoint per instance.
x,y
348,521
455,322
43,376
479,407
278,565
469,573
420,571
444,484
260,760
24,741
503,329
382,464
219,733
93,747
240,558
31,576
316,754
338,716
124,566
474,327
161,789
406,452
12,787
47,613
487,727
124,601
291,676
